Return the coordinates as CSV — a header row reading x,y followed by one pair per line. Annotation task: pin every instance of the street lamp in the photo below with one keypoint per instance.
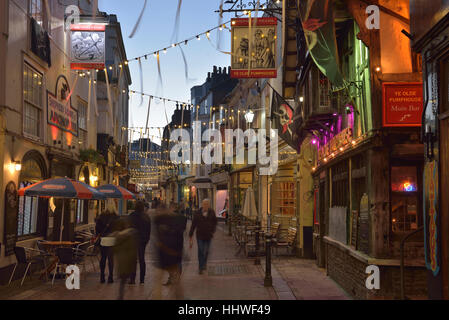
x,y
249,116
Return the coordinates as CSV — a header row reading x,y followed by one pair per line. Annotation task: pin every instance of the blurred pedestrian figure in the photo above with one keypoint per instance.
x,y
170,227
141,222
205,224
103,227
125,250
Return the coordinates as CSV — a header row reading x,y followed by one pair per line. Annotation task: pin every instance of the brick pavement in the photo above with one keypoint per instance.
x,y
229,277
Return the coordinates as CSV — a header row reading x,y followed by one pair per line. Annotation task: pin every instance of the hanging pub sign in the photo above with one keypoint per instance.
x,y
59,108
253,48
88,45
402,104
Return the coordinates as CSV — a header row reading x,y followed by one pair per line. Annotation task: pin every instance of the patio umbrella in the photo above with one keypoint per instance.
x,y
116,192
62,188
249,206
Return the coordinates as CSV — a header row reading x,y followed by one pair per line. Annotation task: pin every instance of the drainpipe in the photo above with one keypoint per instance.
x,y
403,297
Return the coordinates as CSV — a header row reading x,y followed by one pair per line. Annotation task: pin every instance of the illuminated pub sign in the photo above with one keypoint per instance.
x,y
402,104
88,45
337,144
253,48
60,113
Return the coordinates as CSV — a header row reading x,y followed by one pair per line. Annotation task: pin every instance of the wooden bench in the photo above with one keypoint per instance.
x,y
289,243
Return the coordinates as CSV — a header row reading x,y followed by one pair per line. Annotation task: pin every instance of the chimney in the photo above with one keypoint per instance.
x,y
208,76
215,70
219,70
229,70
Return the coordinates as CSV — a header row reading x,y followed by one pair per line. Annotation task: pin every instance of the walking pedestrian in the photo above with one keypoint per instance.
x,y
170,227
142,223
205,223
125,250
103,227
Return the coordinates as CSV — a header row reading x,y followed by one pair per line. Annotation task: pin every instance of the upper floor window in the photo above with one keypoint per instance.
x,y
325,89
82,114
38,11
32,96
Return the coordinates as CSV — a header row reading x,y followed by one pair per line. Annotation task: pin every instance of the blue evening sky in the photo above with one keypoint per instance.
x,y
155,32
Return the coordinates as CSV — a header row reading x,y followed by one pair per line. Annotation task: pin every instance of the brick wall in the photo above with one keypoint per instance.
x,y
349,273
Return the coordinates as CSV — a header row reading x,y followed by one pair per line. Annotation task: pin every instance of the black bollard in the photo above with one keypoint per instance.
x,y
268,282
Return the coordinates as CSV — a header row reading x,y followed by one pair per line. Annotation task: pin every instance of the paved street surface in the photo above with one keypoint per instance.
x,y
229,277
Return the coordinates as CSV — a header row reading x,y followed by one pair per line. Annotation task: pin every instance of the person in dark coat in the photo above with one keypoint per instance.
x,y
170,227
103,228
125,250
142,223
205,224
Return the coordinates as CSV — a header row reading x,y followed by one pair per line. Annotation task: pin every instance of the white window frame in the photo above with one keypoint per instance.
x,y
39,137
45,21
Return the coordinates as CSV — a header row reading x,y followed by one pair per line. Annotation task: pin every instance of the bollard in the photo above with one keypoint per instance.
x,y
268,282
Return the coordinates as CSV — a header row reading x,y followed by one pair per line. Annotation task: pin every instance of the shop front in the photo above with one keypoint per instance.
x,y
241,179
430,27
283,187
221,183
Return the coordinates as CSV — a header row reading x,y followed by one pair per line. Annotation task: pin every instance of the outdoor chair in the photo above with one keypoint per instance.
x,y
87,250
66,257
28,257
289,243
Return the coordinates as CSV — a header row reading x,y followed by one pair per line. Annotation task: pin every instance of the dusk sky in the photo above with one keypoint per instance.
x,y
155,33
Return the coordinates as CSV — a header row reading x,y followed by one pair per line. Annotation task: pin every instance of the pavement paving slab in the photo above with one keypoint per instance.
x,y
229,277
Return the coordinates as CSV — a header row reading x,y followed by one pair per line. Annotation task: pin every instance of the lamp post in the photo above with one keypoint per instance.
x,y
249,116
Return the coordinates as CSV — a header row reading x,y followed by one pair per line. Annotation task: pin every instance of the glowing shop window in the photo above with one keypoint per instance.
x,y
404,179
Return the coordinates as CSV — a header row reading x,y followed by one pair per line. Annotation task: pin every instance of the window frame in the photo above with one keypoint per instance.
x,y
397,236
39,137
45,22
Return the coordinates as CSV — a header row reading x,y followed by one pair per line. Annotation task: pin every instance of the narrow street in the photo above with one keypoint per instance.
x,y
229,277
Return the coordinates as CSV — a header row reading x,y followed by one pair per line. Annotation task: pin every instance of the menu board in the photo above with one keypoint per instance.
x,y
363,228
11,204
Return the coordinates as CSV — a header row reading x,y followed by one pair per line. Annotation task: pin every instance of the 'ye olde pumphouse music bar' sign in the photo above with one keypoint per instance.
x,y
403,104
254,48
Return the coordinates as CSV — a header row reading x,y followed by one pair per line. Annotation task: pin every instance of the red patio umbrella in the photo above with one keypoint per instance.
x,y
62,188
116,192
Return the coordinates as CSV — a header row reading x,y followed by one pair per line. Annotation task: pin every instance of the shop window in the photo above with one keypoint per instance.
x,y
340,185
27,215
32,95
81,212
404,199
284,198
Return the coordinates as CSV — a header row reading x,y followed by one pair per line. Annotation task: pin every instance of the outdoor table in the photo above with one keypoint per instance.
x,y
51,246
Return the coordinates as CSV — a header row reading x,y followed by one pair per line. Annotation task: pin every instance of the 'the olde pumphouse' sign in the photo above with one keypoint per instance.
x,y
61,115
403,104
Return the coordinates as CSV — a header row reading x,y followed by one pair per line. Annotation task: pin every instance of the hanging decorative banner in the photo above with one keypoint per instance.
x,y
88,45
403,104
261,61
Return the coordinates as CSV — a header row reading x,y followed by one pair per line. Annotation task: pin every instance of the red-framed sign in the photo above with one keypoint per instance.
x,y
402,104
254,56
88,46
